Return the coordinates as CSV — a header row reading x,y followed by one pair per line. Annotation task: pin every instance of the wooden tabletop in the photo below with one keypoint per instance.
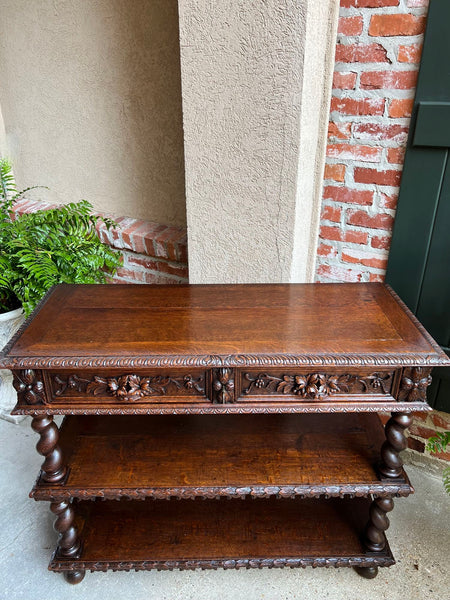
x,y
264,324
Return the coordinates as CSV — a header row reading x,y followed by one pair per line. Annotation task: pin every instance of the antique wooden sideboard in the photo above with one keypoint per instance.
x,y
253,405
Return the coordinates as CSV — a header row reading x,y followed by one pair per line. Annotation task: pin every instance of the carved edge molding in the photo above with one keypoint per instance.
x,y
235,360
386,560
25,324
236,408
443,357
211,493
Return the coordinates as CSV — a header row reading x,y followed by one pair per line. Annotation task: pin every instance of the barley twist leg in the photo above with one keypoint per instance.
x,y
52,468
391,463
69,543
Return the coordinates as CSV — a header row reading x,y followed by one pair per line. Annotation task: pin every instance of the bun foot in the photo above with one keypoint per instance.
x,y
367,572
74,577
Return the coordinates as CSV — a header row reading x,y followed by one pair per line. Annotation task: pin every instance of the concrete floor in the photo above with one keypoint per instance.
x,y
419,537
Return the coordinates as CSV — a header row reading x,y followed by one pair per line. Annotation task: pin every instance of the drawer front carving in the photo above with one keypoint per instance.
x,y
223,388
315,386
216,386
127,388
29,386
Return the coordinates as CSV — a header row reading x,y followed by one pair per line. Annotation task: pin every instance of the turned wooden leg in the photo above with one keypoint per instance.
x,y
391,463
374,538
367,572
68,543
74,577
52,468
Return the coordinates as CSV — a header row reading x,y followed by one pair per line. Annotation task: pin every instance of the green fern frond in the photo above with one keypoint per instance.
x,y
439,442
41,249
7,183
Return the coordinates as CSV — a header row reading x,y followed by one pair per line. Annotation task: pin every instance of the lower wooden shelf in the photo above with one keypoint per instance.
x,y
212,456
189,534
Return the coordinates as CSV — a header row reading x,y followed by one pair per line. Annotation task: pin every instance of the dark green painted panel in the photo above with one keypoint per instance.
x,y
432,124
419,260
421,183
439,390
433,84
434,302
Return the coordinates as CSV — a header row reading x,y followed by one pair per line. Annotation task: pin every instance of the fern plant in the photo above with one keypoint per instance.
x,y
41,249
439,443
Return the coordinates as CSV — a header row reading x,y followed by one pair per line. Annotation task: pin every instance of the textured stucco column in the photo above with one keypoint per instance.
x,y
91,99
256,80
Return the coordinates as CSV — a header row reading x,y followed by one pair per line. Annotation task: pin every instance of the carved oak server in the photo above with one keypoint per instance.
x,y
247,391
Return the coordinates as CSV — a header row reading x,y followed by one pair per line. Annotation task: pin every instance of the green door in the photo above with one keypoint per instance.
x,y
419,260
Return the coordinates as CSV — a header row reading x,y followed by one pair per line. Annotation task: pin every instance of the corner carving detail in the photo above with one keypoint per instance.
x,y
414,383
130,387
317,386
29,386
223,391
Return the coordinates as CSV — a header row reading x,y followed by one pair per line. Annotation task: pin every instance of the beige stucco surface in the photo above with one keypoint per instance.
x,y
91,100
243,80
318,66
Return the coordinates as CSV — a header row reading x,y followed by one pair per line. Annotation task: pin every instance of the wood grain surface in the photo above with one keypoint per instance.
x,y
221,533
125,324
212,455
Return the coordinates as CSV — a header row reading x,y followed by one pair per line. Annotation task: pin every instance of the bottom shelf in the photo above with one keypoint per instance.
x,y
189,534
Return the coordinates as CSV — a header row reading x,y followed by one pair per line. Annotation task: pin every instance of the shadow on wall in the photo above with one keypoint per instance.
x,y
92,102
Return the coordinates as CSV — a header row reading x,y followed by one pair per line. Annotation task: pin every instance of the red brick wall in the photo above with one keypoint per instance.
x,y
377,58
152,253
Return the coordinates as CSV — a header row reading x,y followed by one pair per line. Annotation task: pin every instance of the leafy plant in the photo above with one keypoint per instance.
x,y
439,443
41,249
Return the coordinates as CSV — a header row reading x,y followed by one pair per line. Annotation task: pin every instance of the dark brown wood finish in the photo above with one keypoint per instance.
x,y
219,533
53,470
214,325
212,456
126,360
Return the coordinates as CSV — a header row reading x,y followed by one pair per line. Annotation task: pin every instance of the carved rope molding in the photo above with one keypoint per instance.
x,y
318,386
232,408
314,491
130,387
382,560
233,360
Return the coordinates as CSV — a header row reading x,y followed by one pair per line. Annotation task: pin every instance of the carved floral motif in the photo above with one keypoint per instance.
x,y
223,386
130,387
414,383
29,386
316,386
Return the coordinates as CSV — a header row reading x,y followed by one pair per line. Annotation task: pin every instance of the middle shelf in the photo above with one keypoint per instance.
x,y
210,456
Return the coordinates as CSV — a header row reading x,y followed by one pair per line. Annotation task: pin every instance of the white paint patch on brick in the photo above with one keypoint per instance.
x,y
371,137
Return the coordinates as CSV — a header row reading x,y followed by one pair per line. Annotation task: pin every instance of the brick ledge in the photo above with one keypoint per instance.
x,y
152,252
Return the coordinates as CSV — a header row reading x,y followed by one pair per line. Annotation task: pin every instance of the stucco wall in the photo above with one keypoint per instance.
x,y
242,64
91,100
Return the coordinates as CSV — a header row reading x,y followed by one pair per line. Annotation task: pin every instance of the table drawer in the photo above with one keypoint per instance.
x,y
88,388
308,385
213,389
